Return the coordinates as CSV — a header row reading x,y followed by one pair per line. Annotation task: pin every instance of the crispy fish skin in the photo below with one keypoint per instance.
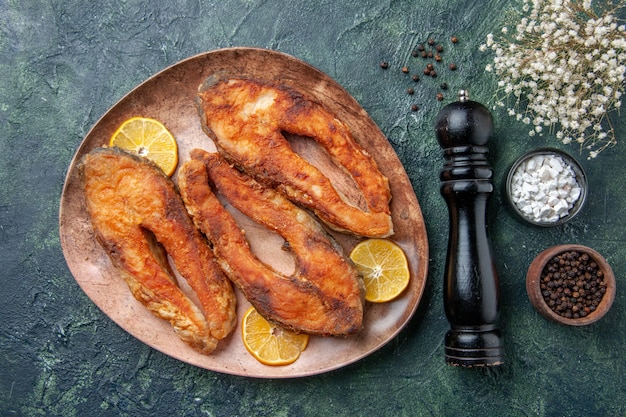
x,y
138,216
323,296
246,118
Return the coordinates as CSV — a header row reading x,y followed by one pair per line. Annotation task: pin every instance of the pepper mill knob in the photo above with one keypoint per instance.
x,y
471,289
464,123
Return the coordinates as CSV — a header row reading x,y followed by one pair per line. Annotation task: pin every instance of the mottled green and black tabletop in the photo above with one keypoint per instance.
x,y
65,63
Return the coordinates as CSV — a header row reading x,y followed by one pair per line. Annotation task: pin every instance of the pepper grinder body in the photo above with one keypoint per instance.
x,y
471,287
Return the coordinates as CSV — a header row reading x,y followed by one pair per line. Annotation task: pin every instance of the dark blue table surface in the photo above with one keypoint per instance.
x,y
64,63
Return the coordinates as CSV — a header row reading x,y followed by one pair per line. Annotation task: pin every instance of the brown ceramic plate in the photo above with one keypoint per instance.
x,y
169,96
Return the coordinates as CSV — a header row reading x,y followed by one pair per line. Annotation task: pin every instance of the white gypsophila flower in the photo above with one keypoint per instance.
x,y
564,66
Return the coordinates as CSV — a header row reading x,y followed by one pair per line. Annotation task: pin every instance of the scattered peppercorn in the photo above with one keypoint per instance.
x,y
432,52
572,284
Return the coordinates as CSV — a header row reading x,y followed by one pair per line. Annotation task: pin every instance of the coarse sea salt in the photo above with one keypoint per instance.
x,y
544,188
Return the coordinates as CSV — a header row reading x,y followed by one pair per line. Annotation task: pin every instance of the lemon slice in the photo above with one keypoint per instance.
x,y
271,344
148,138
384,268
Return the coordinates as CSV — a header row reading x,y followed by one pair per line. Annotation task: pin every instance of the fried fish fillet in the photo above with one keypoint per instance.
x,y
323,296
138,217
246,120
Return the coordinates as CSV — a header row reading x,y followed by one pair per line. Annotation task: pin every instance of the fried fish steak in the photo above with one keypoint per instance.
x,y
139,217
323,296
246,120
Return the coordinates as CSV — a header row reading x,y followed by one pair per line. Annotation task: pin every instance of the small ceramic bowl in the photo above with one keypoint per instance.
x,y
555,293
512,184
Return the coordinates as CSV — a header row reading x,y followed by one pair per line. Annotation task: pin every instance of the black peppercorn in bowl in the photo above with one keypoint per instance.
x,y
546,187
571,284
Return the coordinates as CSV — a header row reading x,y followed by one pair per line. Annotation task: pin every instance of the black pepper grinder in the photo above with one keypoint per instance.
x,y
471,290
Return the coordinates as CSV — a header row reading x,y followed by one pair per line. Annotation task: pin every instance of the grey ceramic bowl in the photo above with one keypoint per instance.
x,y
580,176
